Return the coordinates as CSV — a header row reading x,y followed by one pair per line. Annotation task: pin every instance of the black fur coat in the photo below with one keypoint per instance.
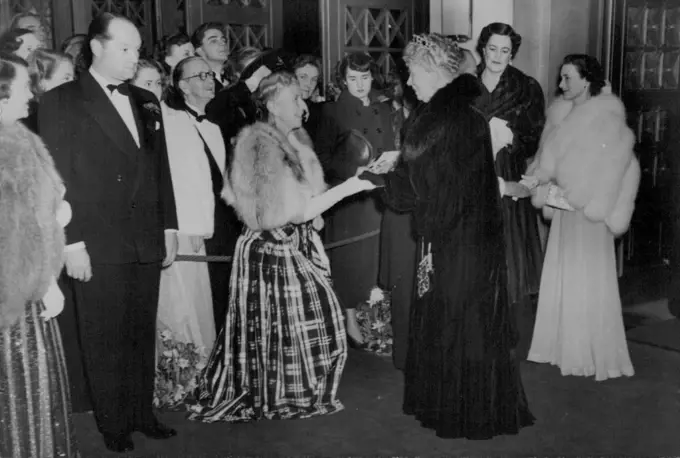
x,y
31,239
447,180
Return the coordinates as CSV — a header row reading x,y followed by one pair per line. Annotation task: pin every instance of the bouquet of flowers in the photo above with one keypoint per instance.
x,y
179,364
375,321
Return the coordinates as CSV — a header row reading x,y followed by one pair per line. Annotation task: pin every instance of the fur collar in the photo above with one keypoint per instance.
x,y
270,182
31,241
587,150
430,122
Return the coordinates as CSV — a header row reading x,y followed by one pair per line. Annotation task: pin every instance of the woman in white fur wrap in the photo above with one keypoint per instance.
x,y
585,160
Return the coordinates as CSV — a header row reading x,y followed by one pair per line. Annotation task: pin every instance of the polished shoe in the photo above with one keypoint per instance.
x,y
119,444
157,431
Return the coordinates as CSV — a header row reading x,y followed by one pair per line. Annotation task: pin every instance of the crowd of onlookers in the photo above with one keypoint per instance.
x,y
262,181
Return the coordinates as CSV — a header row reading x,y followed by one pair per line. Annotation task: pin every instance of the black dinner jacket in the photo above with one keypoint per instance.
x,y
121,194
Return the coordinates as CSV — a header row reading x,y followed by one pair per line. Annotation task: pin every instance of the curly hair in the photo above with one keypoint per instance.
x,y
498,28
154,65
8,72
11,41
270,87
358,62
43,64
589,68
434,51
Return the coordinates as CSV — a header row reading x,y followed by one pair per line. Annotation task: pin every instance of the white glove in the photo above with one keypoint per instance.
x,y
53,301
501,135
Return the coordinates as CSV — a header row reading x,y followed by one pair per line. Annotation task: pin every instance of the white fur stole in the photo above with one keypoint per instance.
x,y
587,150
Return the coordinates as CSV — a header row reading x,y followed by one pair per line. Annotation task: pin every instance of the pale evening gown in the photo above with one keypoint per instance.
x,y
579,324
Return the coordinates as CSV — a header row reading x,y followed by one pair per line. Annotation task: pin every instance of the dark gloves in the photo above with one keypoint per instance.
x,y
377,180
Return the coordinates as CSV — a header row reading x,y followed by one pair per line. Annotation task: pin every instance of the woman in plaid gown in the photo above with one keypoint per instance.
x,y
283,348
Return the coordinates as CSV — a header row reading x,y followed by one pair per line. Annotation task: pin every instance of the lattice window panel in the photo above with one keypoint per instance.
x,y
243,3
41,7
180,15
652,59
382,32
241,35
135,10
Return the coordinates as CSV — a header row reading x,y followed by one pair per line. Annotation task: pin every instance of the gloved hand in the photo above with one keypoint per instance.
x,y
377,180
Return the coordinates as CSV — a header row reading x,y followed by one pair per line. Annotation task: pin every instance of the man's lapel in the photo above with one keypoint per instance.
x,y
148,116
100,107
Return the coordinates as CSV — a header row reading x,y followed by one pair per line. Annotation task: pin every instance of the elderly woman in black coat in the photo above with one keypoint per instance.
x,y
359,107
461,376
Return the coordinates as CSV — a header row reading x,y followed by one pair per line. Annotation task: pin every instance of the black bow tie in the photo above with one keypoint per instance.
x,y
199,118
123,89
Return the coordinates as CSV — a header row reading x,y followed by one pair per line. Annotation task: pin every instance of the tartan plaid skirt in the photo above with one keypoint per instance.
x,y
283,348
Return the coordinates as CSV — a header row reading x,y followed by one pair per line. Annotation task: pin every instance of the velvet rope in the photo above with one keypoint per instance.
x,y
328,246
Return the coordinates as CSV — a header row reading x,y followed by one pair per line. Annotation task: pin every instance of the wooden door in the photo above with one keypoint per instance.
x,y
255,23
645,71
380,27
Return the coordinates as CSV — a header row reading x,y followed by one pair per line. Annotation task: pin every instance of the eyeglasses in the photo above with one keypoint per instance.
x,y
202,76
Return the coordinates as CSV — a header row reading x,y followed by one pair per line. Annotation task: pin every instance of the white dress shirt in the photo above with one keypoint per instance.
x,y
121,103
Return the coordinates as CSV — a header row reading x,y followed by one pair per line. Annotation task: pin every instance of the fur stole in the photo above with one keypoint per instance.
x,y
431,122
587,150
31,239
270,182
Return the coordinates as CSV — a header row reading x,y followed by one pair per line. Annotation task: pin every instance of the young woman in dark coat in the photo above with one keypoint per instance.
x,y
355,265
461,377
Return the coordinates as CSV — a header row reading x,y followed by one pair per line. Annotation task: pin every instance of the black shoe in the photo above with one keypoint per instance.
x,y
157,431
119,444
355,344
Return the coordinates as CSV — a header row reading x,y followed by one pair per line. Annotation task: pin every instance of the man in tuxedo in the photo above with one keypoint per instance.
x,y
197,90
107,141
211,44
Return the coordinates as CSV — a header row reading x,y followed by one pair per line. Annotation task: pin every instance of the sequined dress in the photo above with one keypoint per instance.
x,y
35,406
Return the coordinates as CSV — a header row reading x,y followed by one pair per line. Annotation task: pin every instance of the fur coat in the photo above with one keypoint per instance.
x,y
31,238
587,150
269,181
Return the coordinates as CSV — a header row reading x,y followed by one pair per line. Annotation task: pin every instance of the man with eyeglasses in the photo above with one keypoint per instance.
x,y
193,92
211,44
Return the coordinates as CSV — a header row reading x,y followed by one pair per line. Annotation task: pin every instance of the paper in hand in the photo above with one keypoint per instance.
x,y
556,199
384,163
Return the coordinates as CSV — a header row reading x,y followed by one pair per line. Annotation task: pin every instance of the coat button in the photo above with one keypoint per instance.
x,y
134,205
119,178
379,130
365,131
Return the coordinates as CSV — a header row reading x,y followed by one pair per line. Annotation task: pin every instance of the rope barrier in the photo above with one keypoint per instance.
x,y
328,246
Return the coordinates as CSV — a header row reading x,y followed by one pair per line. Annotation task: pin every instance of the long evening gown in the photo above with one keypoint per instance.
x,y
580,329
35,412
461,376
518,99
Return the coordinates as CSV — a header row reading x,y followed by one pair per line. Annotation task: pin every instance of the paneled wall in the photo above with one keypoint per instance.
x,y
550,30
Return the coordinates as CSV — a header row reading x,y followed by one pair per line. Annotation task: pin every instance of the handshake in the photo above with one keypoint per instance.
x,y
377,180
